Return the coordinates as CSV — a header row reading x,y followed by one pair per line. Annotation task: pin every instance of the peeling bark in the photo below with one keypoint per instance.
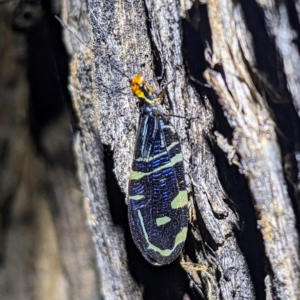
x,y
230,75
122,36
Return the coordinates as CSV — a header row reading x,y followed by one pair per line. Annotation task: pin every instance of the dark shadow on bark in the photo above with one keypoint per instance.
x,y
235,185
269,63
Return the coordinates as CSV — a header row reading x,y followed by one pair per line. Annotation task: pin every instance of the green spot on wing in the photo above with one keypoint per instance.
x,y
170,127
180,200
137,197
180,238
162,221
136,175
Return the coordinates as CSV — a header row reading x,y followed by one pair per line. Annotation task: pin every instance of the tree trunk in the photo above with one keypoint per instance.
x,y
230,78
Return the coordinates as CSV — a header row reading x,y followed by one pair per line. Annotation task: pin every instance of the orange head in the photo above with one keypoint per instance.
x,y
137,84
143,91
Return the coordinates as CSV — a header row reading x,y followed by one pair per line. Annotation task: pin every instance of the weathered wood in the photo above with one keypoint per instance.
x,y
116,281
254,140
243,241
120,44
279,28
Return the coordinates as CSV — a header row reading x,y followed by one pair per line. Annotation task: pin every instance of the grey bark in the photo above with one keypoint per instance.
x,y
254,135
238,127
119,44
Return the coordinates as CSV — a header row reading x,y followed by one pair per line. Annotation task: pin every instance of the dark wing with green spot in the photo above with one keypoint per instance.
x,y
157,210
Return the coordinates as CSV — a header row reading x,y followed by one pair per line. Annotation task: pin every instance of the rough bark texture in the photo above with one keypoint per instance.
x,y
231,79
254,137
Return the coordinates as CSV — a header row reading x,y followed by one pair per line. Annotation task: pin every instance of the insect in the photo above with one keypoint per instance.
x,y
157,208
158,201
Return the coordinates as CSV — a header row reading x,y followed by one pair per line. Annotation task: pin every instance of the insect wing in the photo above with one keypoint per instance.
x,y
157,209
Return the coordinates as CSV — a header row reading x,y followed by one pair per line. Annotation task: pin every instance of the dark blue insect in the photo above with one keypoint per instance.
x,y
157,208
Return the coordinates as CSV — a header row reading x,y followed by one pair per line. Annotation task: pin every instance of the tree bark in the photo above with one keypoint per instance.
x,y
133,37
230,78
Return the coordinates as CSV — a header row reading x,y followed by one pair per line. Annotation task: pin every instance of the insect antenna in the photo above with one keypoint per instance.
x,y
106,38
71,31
110,64
78,38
